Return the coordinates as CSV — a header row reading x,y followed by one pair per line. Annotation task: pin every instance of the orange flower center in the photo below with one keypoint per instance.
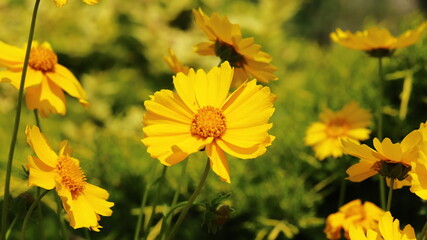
x,y
337,127
72,176
42,59
208,122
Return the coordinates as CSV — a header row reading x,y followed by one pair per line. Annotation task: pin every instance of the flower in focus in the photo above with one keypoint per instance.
x,y
387,230
82,201
60,3
348,123
365,216
175,65
45,80
227,43
201,114
392,160
419,168
378,42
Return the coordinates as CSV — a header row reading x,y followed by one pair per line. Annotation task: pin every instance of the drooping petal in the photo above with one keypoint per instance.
x,y
40,146
219,163
97,198
360,171
11,56
39,174
46,98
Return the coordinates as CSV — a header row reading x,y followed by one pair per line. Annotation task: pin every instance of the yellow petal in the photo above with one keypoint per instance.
x,y
40,174
41,147
360,151
97,197
219,163
46,98
360,171
63,78
11,56
60,3
184,85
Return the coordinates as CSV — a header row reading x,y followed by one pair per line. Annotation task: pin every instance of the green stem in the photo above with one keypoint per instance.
x,y
390,194
9,231
380,122
423,232
190,201
30,211
16,125
342,193
40,213
181,204
36,116
156,199
166,222
60,218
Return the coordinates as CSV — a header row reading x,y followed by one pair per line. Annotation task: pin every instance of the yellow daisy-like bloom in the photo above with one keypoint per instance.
x,y
82,201
392,160
348,123
174,64
419,168
60,3
45,81
226,42
387,230
353,213
201,114
377,41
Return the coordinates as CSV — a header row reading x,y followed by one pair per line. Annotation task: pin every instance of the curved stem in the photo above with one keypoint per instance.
x,y
16,124
156,199
380,122
390,194
190,201
30,211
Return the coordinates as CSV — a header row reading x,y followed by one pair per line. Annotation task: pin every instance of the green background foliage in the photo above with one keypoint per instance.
x,y
116,50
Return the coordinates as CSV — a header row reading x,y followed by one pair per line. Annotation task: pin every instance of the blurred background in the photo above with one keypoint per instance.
x,y
116,50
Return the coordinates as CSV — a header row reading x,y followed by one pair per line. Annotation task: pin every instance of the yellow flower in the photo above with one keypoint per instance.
x,y
226,42
175,65
201,114
377,41
82,201
419,168
387,230
353,213
392,160
45,81
60,3
348,123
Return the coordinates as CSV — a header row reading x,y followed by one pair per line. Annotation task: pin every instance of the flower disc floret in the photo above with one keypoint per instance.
x,y
42,59
208,122
72,176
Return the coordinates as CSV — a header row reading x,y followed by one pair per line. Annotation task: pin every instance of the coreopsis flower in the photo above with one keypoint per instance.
x,y
419,168
83,202
227,43
201,114
350,122
174,64
45,81
387,230
365,215
60,3
376,41
391,160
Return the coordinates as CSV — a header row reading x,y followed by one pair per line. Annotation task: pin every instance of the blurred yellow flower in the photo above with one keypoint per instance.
x,y
348,123
387,230
376,41
201,114
60,3
365,216
419,168
82,201
174,64
45,81
226,42
392,160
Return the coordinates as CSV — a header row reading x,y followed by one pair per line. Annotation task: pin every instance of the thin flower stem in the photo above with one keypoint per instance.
x,y
190,201
30,211
60,218
178,205
16,125
40,213
156,199
36,116
380,122
166,222
342,193
390,194
423,232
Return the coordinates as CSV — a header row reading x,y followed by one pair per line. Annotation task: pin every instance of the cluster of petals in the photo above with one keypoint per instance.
x,y
202,114
252,62
376,38
46,80
365,215
350,122
83,202
388,229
